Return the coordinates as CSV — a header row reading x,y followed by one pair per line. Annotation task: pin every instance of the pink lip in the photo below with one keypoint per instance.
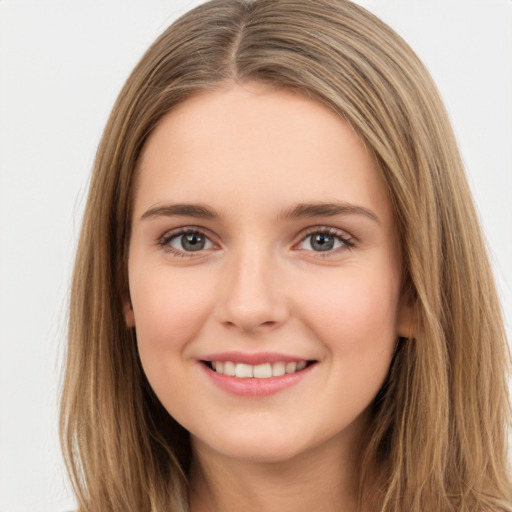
x,y
252,359
252,387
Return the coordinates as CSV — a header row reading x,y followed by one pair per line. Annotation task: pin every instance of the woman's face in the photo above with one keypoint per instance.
x,y
263,243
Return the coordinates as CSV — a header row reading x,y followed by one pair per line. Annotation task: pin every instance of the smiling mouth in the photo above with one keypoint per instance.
x,y
258,371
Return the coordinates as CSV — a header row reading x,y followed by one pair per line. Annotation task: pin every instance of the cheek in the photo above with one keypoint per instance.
x,y
355,320
168,310
355,312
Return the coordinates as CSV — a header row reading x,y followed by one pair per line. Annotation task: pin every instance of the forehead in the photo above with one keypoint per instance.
x,y
255,145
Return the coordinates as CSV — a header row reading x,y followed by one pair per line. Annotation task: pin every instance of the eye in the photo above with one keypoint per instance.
x,y
325,240
186,242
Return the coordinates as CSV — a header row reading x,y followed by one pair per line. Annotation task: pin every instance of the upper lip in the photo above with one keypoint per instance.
x,y
253,358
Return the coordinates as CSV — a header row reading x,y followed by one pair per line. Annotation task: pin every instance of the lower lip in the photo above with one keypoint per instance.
x,y
251,387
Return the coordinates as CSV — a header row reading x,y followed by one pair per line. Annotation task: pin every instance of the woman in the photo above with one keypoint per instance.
x,y
281,294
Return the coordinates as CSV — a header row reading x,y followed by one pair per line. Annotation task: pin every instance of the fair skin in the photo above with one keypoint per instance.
x,y
290,258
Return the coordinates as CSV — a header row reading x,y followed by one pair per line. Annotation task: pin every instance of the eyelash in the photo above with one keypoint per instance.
x,y
346,241
166,239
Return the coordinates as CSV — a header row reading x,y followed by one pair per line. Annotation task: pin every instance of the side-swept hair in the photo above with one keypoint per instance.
x,y
438,434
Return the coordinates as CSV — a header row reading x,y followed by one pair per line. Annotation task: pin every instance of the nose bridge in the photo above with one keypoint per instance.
x,y
252,298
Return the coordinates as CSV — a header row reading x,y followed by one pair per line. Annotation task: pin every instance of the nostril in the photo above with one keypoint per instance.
x,y
252,327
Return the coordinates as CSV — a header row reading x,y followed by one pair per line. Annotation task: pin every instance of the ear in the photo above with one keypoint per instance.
x,y
406,320
129,317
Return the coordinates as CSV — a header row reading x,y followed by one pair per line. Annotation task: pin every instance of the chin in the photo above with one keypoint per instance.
x,y
269,454
257,446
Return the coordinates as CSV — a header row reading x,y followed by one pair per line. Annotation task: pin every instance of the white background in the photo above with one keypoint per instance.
x,y
62,63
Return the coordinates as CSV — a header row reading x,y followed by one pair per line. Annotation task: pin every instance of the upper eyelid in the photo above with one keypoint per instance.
x,y
171,233
318,228
341,233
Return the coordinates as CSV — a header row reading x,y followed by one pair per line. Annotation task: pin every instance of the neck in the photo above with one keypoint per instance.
x,y
323,478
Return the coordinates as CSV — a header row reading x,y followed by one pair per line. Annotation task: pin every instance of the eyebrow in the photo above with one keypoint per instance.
x,y
183,210
306,210
299,211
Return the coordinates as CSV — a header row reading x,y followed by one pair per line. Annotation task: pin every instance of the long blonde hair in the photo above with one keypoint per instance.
x,y
438,435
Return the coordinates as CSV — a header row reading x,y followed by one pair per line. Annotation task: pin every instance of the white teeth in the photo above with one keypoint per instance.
x,y
229,368
278,369
259,371
243,370
291,367
262,371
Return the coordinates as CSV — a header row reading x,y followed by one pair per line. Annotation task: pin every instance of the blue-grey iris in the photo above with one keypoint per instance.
x,y
193,241
322,242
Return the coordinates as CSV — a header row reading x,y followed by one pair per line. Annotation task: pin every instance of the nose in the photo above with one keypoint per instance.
x,y
251,296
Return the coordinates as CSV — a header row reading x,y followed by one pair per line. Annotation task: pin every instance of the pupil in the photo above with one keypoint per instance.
x,y
193,242
322,242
